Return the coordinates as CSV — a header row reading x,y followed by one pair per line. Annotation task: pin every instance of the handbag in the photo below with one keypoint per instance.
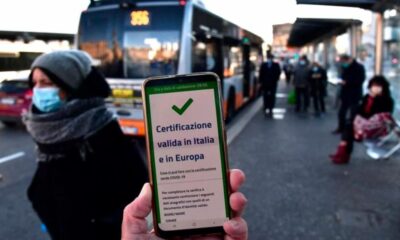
x,y
377,126
291,98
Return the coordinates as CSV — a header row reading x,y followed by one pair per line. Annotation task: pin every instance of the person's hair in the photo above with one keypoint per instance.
x,y
379,80
304,57
345,57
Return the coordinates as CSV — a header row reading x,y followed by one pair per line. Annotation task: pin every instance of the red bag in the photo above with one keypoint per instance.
x,y
377,126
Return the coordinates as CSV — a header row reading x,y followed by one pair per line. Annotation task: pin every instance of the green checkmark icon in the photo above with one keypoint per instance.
x,y
185,106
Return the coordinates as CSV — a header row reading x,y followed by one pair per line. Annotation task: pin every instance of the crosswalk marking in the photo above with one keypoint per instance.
x,y
281,95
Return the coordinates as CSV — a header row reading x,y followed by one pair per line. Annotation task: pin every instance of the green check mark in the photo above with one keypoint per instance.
x,y
185,106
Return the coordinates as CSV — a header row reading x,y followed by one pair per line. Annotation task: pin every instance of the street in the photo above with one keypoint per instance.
x,y
17,220
294,192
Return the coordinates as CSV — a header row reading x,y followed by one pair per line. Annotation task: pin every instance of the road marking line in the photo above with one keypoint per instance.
x,y
279,116
235,130
281,95
279,110
12,157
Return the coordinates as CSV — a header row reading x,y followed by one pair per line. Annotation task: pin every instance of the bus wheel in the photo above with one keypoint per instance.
x,y
231,106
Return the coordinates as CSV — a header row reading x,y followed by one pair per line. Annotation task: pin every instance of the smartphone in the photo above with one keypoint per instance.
x,y
187,154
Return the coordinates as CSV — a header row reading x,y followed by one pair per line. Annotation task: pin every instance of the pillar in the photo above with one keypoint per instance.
x,y
379,43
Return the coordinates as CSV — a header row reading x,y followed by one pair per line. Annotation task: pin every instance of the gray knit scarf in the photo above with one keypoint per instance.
x,y
78,118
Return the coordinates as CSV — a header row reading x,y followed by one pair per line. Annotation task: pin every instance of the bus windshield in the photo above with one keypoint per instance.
x,y
151,53
133,43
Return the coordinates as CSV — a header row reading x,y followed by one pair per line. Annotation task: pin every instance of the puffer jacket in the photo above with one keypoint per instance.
x,y
300,76
81,187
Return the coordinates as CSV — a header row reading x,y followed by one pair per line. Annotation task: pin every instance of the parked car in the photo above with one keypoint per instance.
x,y
15,98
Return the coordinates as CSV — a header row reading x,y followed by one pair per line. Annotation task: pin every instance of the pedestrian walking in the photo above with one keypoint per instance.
x,y
373,119
300,81
318,83
353,76
270,73
87,170
288,70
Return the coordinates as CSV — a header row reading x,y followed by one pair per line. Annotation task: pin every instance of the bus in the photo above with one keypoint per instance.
x,y
130,40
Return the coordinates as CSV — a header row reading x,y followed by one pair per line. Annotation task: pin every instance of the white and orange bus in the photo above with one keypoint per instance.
x,y
131,40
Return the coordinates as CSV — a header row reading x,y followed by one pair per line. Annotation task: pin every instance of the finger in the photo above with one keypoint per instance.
x,y
238,202
236,229
236,178
141,206
134,221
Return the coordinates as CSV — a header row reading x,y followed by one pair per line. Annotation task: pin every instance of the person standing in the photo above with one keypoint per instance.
x,y
87,170
288,70
270,73
300,81
318,83
353,76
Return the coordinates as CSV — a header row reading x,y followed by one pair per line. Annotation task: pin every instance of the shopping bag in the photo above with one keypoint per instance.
x,y
377,126
291,98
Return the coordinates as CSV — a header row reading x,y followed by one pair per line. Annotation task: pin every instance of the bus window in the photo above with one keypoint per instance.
x,y
204,57
233,61
151,53
255,59
98,37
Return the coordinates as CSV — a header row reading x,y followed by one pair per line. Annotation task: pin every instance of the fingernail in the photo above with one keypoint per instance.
x,y
143,191
234,224
245,198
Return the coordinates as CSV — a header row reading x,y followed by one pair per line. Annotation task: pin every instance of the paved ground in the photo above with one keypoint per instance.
x,y
17,220
294,191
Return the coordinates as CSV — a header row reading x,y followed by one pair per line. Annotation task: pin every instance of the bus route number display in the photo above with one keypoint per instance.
x,y
140,18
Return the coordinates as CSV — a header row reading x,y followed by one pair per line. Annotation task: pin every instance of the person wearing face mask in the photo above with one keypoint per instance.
x,y
353,76
318,82
270,73
301,84
373,119
87,170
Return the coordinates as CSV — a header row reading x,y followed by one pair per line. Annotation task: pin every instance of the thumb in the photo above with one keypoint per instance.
x,y
134,221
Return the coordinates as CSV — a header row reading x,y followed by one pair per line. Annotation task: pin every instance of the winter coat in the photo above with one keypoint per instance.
x,y
354,76
301,76
269,75
81,188
381,104
318,81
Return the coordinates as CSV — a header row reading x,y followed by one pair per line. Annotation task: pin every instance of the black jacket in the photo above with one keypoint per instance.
x,y
318,81
354,76
269,75
381,104
81,188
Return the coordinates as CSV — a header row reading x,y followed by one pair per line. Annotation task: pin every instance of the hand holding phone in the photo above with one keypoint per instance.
x,y
187,154
134,225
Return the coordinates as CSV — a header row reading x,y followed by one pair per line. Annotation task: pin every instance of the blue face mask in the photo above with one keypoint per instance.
x,y
315,69
302,63
345,65
47,99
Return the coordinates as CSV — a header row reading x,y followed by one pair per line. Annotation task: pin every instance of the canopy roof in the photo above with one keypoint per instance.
x,y
373,5
308,30
28,36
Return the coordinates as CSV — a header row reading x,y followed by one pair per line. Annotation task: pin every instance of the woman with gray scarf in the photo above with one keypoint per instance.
x,y
87,170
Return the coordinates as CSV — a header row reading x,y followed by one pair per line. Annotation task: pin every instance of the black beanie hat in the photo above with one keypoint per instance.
x,y
71,70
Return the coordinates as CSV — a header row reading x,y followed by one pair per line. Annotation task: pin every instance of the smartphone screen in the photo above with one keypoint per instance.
x,y
187,152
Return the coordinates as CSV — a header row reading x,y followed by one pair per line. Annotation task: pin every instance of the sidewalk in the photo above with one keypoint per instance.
x,y
294,191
